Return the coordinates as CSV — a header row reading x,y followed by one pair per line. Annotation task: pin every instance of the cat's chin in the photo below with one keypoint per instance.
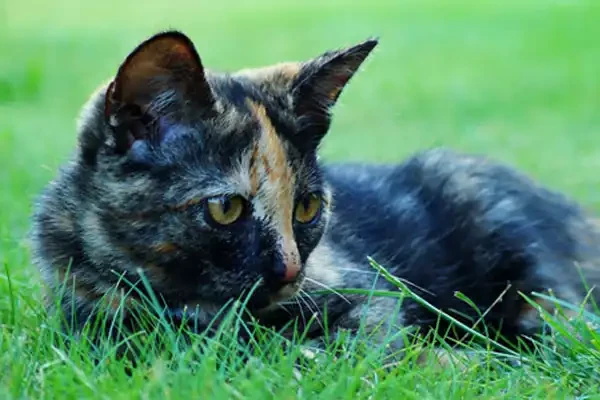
x,y
286,292
262,300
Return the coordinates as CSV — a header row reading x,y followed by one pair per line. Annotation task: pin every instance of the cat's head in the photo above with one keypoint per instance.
x,y
208,182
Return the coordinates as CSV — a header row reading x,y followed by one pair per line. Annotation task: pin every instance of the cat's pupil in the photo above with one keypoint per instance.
x,y
225,205
306,203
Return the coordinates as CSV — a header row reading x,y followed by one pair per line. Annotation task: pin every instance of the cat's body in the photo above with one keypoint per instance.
x,y
446,222
209,184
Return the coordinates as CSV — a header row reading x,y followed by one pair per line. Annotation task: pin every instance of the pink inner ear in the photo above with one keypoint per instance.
x,y
107,97
337,83
181,51
341,79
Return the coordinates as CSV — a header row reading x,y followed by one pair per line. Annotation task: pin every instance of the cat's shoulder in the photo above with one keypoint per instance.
x,y
425,167
446,178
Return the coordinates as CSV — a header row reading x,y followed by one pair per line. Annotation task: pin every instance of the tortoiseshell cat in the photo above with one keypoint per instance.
x,y
210,184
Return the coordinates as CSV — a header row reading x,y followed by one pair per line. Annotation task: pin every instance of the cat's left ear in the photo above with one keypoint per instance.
x,y
162,78
319,83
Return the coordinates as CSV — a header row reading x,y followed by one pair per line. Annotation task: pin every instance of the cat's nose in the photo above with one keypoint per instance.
x,y
283,272
285,269
285,265
291,261
292,269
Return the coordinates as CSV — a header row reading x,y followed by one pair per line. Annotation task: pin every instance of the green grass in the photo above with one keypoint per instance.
x,y
518,81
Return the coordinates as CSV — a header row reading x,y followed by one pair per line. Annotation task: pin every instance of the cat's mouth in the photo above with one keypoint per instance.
x,y
201,313
286,292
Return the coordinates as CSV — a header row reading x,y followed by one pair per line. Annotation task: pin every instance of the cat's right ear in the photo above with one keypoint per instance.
x,y
158,80
319,83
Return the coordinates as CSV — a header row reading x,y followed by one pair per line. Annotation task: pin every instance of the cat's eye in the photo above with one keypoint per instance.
x,y
225,210
308,208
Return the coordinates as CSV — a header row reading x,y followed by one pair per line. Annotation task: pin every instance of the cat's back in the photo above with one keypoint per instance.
x,y
437,208
444,184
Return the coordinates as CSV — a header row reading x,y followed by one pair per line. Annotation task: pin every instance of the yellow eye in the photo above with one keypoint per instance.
x,y
308,208
225,210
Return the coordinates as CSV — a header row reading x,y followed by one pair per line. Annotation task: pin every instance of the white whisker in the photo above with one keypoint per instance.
x,y
324,286
409,283
284,308
360,271
405,281
308,296
301,311
287,303
303,296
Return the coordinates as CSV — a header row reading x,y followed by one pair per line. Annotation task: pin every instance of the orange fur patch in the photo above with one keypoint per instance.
x,y
530,315
254,179
334,93
281,74
276,192
289,70
89,295
183,206
154,272
164,247
275,166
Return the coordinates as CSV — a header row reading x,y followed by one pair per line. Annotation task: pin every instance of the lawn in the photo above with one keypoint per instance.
x,y
518,81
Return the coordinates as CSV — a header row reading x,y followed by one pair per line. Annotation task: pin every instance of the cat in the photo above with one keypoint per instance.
x,y
209,184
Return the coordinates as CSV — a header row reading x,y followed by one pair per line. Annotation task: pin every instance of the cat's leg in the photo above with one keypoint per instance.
x,y
558,260
379,319
380,325
377,322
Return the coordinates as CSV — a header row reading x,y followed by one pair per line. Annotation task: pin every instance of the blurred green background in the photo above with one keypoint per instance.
x,y
518,81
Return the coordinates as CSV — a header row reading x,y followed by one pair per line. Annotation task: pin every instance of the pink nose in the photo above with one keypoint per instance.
x,y
291,260
291,271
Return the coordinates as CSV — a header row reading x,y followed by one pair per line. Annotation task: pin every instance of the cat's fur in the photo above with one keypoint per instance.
x,y
165,134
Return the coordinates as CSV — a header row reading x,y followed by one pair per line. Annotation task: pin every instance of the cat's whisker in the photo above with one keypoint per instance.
x,y
303,295
301,310
288,303
309,297
284,308
316,310
327,287
409,283
405,281
414,285
357,270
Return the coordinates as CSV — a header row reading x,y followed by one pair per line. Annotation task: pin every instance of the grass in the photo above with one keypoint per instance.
x,y
518,81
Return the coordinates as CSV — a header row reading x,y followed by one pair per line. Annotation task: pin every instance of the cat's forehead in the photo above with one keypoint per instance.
x,y
271,86
263,153
246,146
253,109
261,82
269,156
256,162
235,126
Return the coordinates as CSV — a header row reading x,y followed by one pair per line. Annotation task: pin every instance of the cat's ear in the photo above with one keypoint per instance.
x,y
319,83
161,77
